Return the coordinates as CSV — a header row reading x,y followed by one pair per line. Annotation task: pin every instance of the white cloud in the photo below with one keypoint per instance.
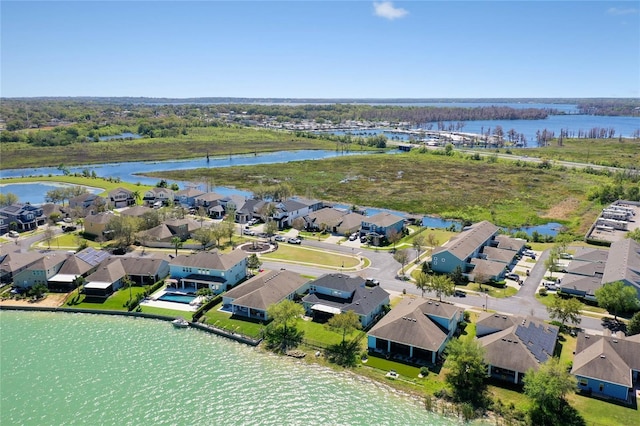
x,y
387,10
617,11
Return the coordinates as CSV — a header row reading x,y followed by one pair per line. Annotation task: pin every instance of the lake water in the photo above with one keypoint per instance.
x,y
125,135
99,370
35,193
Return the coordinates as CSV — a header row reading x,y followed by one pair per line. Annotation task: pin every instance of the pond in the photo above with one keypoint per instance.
x,y
35,193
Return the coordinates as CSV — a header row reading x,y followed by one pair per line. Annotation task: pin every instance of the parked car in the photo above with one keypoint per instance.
x,y
280,238
372,282
353,236
294,241
513,276
459,293
566,256
363,239
248,232
550,285
13,234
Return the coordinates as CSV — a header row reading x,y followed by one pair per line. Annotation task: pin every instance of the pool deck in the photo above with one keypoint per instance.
x,y
152,301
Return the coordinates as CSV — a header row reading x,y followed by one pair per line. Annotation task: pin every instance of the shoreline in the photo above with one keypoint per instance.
x,y
440,406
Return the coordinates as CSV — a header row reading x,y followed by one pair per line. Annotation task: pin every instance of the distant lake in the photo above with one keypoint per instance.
x,y
35,193
125,135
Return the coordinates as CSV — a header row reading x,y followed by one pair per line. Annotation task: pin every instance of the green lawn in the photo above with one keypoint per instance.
x,y
499,293
597,412
224,320
166,312
115,302
323,258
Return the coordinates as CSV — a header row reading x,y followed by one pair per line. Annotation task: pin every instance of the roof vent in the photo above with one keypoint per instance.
x,y
504,340
586,337
437,304
429,302
615,341
603,356
504,317
415,320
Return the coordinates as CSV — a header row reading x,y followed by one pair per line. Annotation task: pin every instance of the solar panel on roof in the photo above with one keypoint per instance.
x,y
92,256
541,342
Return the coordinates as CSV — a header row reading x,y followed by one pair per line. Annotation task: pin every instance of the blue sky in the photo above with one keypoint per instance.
x,y
321,49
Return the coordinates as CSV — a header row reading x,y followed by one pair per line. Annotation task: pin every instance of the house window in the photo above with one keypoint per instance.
x,y
601,387
583,382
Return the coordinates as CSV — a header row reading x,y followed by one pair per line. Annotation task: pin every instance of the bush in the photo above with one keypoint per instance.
x,y
424,371
542,291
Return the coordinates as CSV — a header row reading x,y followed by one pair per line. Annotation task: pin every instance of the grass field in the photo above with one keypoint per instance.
x,y
216,141
115,302
502,192
605,152
304,255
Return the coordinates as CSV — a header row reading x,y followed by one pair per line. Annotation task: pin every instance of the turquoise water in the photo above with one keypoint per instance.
x,y
98,370
177,298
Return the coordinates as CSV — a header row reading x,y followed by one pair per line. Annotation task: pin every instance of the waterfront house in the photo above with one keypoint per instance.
x,y
40,271
121,197
209,269
462,248
252,298
107,278
83,263
324,219
26,217
13,263
287,211
416,330
381,226
607,366
144,270
332,294
511,352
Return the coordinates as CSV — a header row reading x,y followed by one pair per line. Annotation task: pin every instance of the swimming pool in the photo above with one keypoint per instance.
x,y
177,298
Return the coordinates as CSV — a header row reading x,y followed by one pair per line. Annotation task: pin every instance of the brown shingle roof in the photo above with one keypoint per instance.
x,y
469,240
211,259
606,358
264,290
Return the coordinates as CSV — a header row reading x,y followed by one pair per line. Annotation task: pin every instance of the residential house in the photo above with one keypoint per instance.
x,y
416,330
88,203
209,269
327,218
350,223
83,263
158,197
187,197
40,271
607,366
97,224
107,278
120,197
248,210
289,210
332,294
144,270
136,211
461,249
623,264
511,352
4,224
24,217
506,242
12,264
381,226
252,298
212,203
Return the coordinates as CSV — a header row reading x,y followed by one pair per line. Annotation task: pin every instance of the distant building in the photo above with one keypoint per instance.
x,y
25,217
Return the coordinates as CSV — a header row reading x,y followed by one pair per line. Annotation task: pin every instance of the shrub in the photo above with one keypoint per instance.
x,y
543,291
424,371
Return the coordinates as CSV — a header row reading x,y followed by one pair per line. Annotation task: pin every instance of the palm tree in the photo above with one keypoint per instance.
x,y
136,196
177,243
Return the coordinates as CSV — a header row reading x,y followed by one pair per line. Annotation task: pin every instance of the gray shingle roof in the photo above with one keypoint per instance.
x,y
469,240
623,263
407,323
110,271
211,260
383,219
591,255
607,358
498,254
507,243
265,289
585,268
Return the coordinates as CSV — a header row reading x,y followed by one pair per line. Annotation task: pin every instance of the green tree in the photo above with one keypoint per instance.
x,y
402,257
634,325
457,276
204,236
393,237
548,388
271,227
634,235
423,282
565,310
282,334
617,297
176,243
8,199
467,371
136,196
418,242
344,323
253,262
551,263
124,229
48,235
442,285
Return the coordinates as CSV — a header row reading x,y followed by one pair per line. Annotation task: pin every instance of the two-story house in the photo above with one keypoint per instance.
x,y
26,217
332,294
381,226
121,197
157,197
209,269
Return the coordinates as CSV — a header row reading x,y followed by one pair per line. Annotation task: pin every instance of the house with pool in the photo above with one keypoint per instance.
x,y
415,331
252,298
208,269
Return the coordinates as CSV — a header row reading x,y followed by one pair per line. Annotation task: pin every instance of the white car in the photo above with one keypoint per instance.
x,y
294,241
13,234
